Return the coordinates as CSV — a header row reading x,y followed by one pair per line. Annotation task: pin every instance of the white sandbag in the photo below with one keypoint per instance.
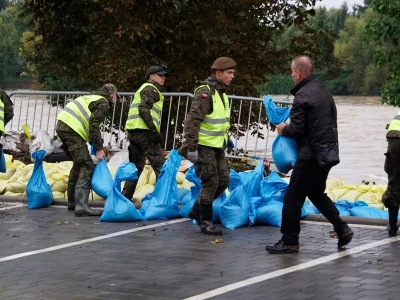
x,y
41,140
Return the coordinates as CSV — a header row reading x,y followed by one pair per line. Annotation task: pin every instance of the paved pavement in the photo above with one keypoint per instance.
x,y
51,254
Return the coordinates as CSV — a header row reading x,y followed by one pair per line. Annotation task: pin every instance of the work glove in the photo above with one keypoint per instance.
x,y
156,138
193,156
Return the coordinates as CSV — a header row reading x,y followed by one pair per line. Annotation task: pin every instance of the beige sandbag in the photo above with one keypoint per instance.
x,y
58,195
152,178
141,192
8,193
9,172
377,205
180,177
371,197
3,185
339,191
16,187
21,171
333,183
186,184
351,195
59,186
144,177
330,195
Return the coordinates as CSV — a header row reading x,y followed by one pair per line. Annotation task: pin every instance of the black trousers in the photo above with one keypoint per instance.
x,y
308,179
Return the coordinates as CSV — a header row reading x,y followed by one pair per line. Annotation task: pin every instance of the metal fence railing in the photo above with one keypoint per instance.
x,y
39,109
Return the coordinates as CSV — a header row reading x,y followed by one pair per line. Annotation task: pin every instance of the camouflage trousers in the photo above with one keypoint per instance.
x,y
391,197
141,146
77,150
213,170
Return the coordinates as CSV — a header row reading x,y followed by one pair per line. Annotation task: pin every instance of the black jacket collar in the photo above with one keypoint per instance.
x,y
301,84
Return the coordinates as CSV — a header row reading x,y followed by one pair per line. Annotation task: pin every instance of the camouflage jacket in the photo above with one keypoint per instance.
x,y
202,104
149,96
8,107
99,109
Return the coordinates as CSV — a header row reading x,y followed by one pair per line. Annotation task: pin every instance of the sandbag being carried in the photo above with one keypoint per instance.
x,y
38,191
117,207
102,182
163,202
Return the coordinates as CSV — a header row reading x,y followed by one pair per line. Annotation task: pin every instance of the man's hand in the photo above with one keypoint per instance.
x,y
280,127
193,156
100,154
156,138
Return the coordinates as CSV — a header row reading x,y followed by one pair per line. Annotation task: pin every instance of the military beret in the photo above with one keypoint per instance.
x,y
223,63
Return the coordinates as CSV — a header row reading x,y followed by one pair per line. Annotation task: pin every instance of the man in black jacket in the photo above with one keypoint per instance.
x,y
313,121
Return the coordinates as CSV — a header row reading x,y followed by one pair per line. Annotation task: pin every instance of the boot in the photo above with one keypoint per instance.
x,y
194,213
392,226
206,223
345,236
82,192
71,194
129,188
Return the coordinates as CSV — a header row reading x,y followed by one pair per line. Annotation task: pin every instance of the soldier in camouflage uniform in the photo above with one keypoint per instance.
x,y
143,126
391,197
6,111
206,137
77,124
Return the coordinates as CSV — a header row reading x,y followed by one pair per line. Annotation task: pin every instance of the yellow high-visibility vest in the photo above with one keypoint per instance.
x,y
395,124
214,127
134,120
76,114
1,116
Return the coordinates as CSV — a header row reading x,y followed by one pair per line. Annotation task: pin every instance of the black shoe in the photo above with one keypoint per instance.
x,y
345,237
209,228
280,248
392,232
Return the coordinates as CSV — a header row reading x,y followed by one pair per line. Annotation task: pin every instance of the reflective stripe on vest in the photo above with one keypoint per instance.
x,y
76,115
213,128
134,120
395,124
1,116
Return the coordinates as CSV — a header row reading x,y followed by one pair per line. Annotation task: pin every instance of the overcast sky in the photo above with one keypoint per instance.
x,y
337,3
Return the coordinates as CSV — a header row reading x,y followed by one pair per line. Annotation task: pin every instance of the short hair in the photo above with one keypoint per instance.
x,y
304,64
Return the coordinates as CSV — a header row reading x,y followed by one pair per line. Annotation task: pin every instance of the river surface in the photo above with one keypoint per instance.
x,y
362,139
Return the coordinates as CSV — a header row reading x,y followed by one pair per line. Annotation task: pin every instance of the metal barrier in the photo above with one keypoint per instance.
x,y
39,110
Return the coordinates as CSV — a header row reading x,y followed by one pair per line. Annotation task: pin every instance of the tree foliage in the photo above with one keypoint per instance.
x,y
100,41
384,31
11,29
356,54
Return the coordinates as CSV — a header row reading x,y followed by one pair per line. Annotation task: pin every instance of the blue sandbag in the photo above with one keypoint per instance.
x,y
368,212
3,167
275,114
271,214
38,191
182,193
117,207
273,187
191,197
102,181
310,208
284,153
255,202
234,211
216,208
252,179
163,202
235,180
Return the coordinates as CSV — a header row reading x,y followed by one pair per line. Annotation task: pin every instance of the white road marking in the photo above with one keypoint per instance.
x,y
351,225
98,238
13,205
312,263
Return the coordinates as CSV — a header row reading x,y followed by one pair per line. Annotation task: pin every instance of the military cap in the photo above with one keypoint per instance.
x,y
110,88
223,63
159,70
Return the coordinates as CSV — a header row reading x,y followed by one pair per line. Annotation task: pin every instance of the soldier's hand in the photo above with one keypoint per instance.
x,y
100,154
156,138
192,156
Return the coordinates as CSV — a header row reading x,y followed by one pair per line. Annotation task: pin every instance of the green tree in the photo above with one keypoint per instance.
x,y
356,54
100,41
384,32
11,29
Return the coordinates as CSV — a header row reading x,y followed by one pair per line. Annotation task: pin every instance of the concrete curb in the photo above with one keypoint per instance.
x,y
310,217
